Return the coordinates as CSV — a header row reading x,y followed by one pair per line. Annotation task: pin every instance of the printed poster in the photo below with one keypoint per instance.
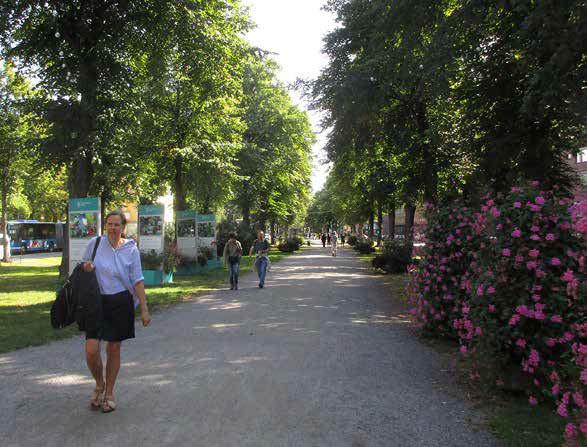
x,y
84,223
151,228
186,234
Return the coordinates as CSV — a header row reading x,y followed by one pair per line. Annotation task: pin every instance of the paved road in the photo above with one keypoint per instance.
x,y
321,357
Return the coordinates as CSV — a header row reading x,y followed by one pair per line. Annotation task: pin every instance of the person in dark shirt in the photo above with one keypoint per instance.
x,y
261,250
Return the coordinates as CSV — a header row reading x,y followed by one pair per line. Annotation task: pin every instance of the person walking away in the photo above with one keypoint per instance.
x,y
120,278
261,250
342,239
334,240
323,240
233,251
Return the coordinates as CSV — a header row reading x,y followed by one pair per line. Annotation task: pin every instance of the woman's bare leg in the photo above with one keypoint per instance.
x,y
112,366
94,361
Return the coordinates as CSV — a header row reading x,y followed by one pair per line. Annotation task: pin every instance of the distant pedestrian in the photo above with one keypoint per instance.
x,y
328,238
261,249
342,239
334,240
323,239
120,278
233,251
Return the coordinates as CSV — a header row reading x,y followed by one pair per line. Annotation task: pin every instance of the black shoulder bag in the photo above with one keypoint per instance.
x,y
65,307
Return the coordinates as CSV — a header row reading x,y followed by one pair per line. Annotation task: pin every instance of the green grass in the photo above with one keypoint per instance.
x,y
517,424
27,290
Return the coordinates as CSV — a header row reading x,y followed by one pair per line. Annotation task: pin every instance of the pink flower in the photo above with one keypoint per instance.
x,y
521,343
514,320
490,290
539,315
535,183
555,261
491,308
532,400
480,291
551,342
540,200
519,259
534,208
583,426
506,252
534,358
562,410
495,212
581,226
517,205
570,431
556,319
568,276
463,349
534,253
531,265
578,398
550,237
515,189
555,390
516,233
584,376
535,237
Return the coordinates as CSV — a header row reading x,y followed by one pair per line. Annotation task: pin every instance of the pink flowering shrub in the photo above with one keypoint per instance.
x,y
441,283
524,308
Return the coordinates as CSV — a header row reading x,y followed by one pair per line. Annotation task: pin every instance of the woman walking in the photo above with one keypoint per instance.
x,y
261,249
120,278
233,251
334,240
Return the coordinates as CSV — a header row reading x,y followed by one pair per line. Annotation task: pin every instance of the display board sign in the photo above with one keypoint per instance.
x,y
186,233
206,231
84,223
151,228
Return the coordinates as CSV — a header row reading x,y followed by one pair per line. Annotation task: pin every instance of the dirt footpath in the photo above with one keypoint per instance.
x,y
317,358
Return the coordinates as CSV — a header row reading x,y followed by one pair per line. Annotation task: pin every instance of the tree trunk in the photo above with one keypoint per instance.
x,y
430,172
273,227
371,224
410,214
247,215
179,198
379,223
4,222
391,220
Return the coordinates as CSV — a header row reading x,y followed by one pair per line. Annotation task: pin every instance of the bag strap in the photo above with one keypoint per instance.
x,y
96,247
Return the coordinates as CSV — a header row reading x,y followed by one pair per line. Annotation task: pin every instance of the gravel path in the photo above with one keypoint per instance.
x,y
320,357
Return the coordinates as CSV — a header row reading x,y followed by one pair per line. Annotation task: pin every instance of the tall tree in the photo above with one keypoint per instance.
x,y
17,128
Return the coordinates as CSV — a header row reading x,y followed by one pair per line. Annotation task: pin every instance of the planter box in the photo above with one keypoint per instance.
x,y
186,270
193,269
157,277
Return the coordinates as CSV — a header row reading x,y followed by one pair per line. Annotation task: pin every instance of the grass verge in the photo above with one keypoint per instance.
x,y
27,290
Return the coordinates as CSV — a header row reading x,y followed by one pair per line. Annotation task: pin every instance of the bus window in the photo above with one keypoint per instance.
x,y
45,231
27,232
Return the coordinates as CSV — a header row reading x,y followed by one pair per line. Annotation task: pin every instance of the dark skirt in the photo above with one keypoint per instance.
x,y
118,318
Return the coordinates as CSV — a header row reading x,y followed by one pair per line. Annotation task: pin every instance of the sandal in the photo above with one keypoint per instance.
x,y
108,405
97,397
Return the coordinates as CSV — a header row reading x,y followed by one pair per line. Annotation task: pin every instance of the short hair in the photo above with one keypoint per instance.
x,y
261,232
118,213
232,235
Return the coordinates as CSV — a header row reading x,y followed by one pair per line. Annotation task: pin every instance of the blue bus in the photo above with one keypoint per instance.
x,y
31,235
